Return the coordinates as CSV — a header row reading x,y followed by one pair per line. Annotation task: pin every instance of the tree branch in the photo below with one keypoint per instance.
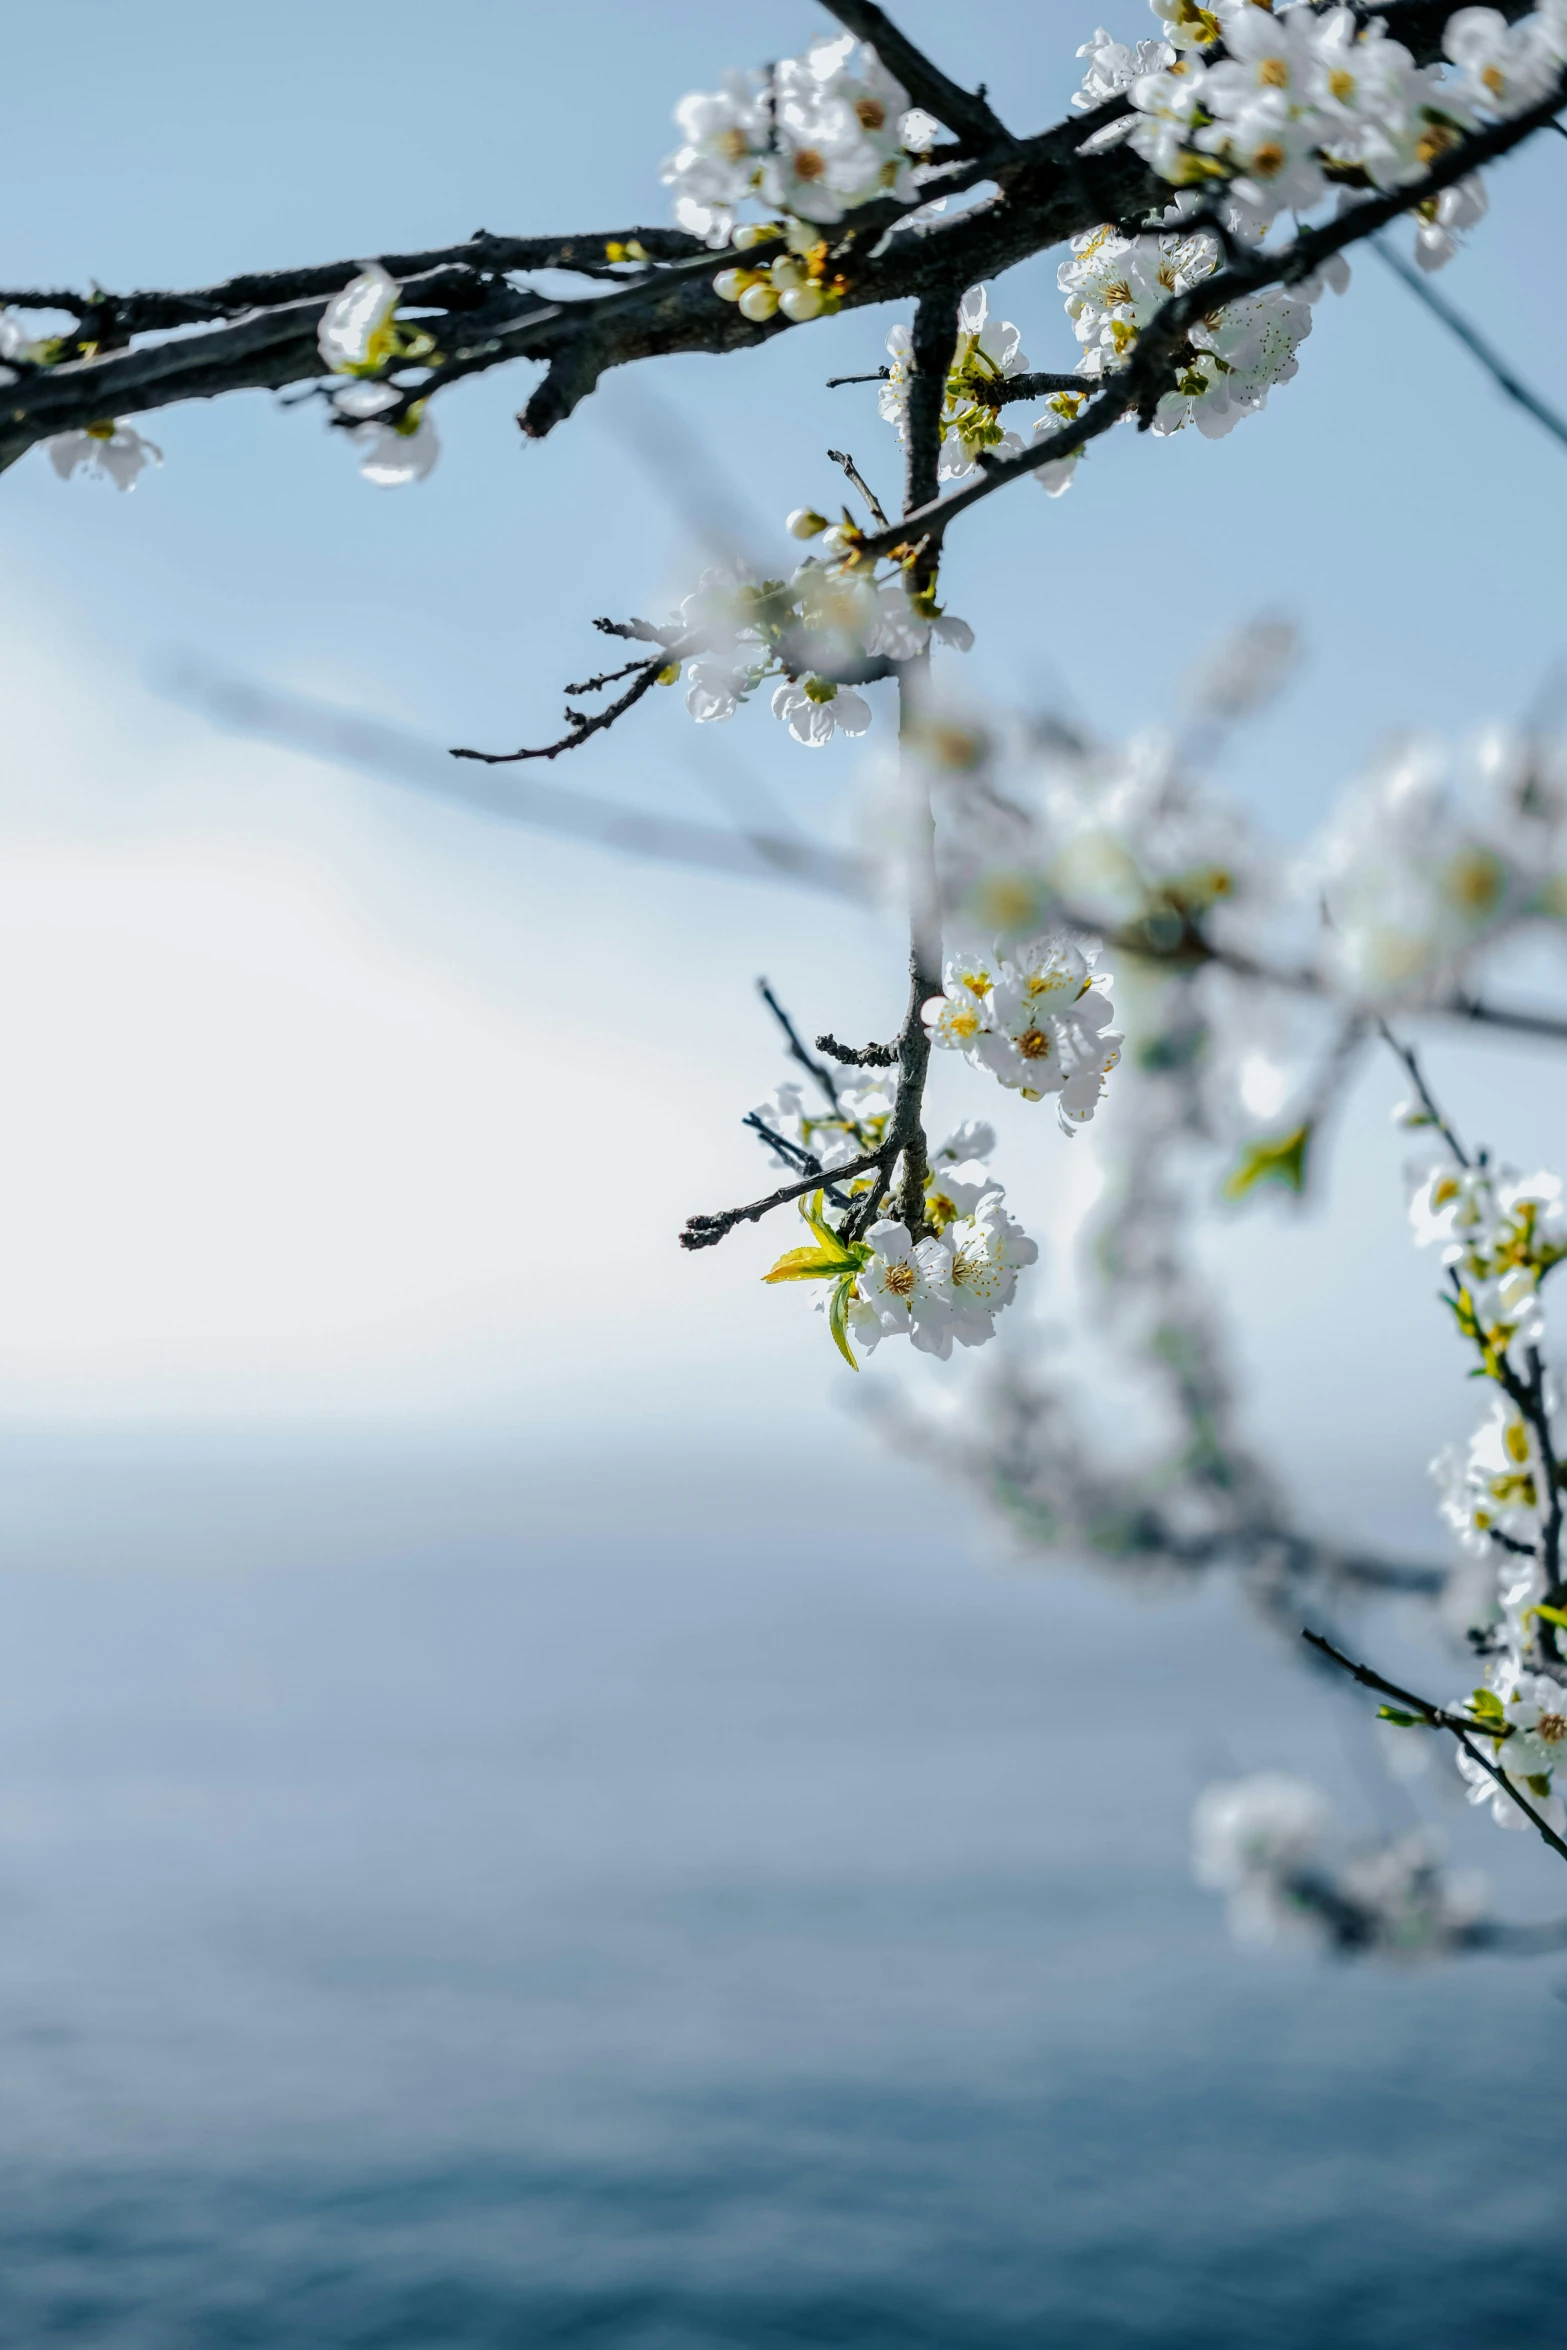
x,y
797,1052
1438,1719
966,112
264,335
1428,1102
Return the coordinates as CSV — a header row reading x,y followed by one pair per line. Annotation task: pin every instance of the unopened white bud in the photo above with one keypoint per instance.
x,y
801,303
758,302
805,522
730,284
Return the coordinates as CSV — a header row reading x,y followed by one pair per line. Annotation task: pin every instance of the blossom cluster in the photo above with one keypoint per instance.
x,y
1262,1843
1422,869
831,620
944,1288
1116,284
1292,101
1432,857
1034,1017
812,137
1500,1235
1299,99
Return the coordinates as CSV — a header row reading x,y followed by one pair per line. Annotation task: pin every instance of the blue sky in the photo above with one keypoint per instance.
x,y
329,1103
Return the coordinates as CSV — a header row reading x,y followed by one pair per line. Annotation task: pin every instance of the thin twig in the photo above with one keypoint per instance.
x,y
878,512
794,1153
1428,1102
858,1056
823,1076
580,726
707,1231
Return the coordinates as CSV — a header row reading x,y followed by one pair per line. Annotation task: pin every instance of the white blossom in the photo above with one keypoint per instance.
x,y
1491,1487
724,133
904,1289
1440,225
989,1249
358,332
1412,883
818,136
987,353
814,709
1250,1837
114,452
391,453
1482,1788
1503,68
1114,65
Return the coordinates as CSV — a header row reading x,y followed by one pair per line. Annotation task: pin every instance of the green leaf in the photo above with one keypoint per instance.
x,y
1486,1701
805,1264
1274,1158
838,1321
1390,1713
840,1252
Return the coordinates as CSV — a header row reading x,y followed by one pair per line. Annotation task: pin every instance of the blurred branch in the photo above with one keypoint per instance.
x,y
1501,372
394,756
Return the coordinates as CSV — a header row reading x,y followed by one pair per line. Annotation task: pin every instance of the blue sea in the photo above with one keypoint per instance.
x,y
450,1898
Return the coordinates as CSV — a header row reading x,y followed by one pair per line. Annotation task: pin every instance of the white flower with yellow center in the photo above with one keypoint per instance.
x,y
960,1015
989,1248
904,1289
1490,1495
814,709
1048,1027
1503,68
358,331
1532,1784
724,134
1537,1710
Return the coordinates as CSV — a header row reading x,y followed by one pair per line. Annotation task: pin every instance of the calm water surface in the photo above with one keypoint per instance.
x,y
445,1902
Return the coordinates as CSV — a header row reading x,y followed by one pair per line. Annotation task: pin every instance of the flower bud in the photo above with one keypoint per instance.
x,y
805,522
730,284
758,302
753,232
801,303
